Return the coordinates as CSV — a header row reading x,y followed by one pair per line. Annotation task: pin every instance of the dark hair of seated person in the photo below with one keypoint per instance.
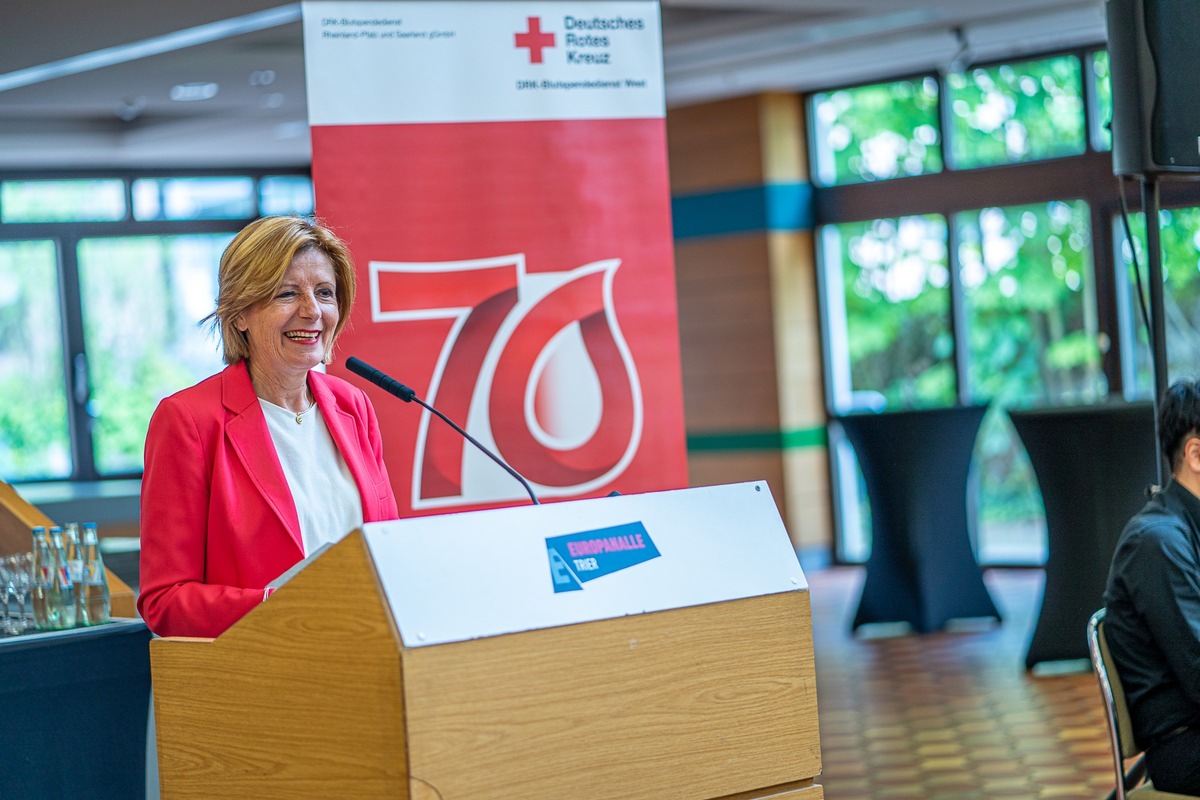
x,y
1178,418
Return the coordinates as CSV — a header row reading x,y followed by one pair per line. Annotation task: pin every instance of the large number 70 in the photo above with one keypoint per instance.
x,y
534,366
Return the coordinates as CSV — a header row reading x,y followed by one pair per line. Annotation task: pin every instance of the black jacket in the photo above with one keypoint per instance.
x,y
1153,621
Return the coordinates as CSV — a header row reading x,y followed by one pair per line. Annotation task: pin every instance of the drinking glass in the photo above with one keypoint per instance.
x,y
20,578
6,588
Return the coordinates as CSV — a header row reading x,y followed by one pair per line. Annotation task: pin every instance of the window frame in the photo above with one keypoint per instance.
x,y
66,237
1088,177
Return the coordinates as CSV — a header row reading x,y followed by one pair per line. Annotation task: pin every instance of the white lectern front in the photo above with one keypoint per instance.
x,y
641,646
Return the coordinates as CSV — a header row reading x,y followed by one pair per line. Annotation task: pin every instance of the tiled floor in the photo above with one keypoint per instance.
x,y
951,715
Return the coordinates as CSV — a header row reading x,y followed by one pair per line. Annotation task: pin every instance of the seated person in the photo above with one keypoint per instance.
x,y
1153,601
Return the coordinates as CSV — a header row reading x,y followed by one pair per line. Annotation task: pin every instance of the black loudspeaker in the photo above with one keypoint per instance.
x,y
1153,49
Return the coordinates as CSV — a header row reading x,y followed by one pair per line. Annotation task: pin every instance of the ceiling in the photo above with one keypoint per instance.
x,y
85,86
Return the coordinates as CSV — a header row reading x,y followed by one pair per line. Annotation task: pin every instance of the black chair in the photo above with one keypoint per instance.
x,y
1120,728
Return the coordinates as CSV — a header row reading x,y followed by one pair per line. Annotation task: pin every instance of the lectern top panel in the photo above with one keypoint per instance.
x,y
487,573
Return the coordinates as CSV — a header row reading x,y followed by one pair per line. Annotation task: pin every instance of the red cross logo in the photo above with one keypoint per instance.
x,y
535,40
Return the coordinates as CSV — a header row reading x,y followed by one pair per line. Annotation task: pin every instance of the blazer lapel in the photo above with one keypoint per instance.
x,y
344,432
246,428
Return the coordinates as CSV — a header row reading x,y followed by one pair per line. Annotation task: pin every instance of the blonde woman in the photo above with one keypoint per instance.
x,y
253,468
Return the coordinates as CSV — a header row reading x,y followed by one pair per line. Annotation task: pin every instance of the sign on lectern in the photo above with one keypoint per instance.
x,y
487,573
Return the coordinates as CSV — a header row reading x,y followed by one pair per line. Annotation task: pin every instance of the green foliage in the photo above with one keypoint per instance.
x,y
1026,276
1032,333
1016,112
1179,240
1103,84
1007,486
33,429
123,408
33,414
886,130
897,303
139,326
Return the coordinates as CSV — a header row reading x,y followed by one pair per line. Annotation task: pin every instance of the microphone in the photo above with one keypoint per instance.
x,y
408,395
380,379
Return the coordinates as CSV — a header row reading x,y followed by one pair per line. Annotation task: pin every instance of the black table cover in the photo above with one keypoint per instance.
x,y
73,713
1093,465
922,569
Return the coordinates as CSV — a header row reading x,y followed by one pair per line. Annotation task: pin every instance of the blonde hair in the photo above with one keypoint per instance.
x,y
252,270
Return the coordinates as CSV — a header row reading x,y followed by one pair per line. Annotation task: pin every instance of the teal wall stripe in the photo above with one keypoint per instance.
x,y
770,207
717,441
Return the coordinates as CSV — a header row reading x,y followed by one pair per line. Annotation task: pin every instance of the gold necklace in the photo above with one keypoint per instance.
x,y
300,414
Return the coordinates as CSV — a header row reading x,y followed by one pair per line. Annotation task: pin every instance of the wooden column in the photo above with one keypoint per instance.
x,y
748,307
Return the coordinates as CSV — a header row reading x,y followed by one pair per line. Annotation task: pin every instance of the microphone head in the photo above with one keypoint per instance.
x,y
380,379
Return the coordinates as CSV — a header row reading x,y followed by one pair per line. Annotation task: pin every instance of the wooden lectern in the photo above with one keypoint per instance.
x,y
17,519
326,691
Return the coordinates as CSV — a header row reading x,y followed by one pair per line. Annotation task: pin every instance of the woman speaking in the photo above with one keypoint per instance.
x,y
255,467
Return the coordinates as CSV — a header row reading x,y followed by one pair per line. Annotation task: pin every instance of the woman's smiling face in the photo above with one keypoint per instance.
x,y
288,334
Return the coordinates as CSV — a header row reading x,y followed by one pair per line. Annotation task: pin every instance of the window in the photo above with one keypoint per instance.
x,y
34,438
889,301
62,201
1180,244
1030,306
99,305
1101,121
1032,340
888,310
876,132
193,198
1016,112
285,194
979,281
142,298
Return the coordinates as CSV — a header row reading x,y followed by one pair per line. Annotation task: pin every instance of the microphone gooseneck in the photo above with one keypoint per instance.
x,y
408,395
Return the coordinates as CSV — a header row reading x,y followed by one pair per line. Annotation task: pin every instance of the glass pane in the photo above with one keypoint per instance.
x,y
194,198
142,297
1010,523
1030,306
285,194
1016,112
854,507
889,313
1033,339
1180,242
875,132
34,441
1102,131
62,201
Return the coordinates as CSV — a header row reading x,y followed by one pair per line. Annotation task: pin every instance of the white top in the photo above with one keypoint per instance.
x,y
327,499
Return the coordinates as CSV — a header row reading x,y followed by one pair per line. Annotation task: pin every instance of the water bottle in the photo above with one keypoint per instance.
x,y
74,562
60,605
42,579
95,602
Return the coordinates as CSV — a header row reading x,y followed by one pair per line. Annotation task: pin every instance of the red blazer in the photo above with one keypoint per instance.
x,y
218,522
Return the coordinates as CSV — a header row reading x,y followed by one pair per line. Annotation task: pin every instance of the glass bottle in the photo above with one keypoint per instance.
x,y
60,608
74,561
95,603
42,577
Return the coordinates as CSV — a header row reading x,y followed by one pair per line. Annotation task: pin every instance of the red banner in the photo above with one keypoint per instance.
x,y
519,276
